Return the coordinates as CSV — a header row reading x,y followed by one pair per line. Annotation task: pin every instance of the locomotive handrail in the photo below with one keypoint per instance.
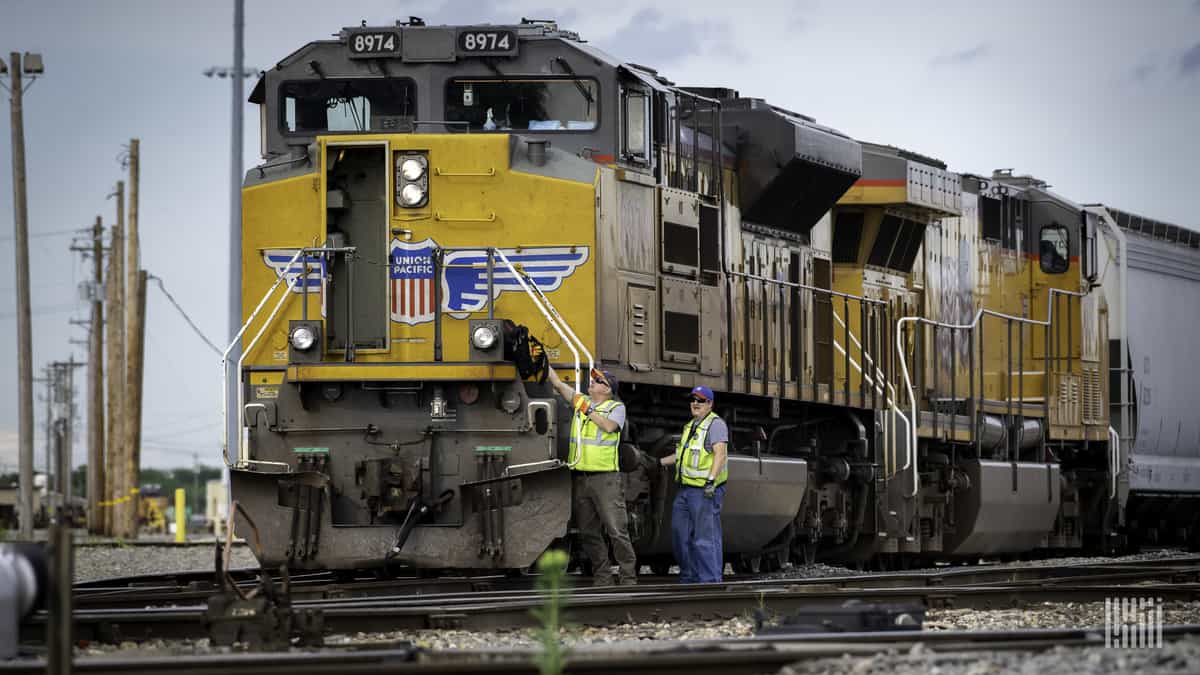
x,y
982,312
553,318
225,359
292,279
891,400
550,312
1114,460
793,284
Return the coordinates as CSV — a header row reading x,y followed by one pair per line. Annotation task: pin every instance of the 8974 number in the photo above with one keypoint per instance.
x,y
487,41
374,43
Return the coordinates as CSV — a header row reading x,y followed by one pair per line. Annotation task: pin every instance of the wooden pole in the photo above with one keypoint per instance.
x,y
135,340
96,472
135,315
116,371
24,327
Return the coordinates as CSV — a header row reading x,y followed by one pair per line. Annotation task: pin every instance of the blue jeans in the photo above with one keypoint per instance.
x,y
696,535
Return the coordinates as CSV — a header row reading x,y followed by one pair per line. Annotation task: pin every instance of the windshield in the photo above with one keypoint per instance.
x,y
535,104
348,105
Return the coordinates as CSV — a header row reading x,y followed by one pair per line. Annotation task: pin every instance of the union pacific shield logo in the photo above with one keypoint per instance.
x,y
464,277
411,277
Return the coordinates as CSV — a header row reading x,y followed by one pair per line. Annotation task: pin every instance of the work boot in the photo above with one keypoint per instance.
x,y
628,581
604,579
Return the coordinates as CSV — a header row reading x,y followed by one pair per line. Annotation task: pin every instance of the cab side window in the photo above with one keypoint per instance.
x,y
1053,249
635,117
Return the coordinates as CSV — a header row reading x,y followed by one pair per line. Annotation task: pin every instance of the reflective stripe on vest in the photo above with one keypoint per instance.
x,y
693,462
599,446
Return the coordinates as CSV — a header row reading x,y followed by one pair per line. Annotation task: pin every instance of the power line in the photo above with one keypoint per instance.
x,y
38,311
39,235
184,314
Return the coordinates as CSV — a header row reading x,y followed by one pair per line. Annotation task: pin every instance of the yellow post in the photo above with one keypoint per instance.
x,y
180,516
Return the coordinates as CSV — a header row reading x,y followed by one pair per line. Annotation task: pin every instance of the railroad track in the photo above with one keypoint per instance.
x,y
195,587
981,588
734,656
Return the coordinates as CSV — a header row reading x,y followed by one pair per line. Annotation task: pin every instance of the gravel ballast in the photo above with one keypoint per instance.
x,y
108,561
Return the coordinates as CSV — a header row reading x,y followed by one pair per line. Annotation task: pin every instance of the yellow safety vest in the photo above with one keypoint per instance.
x,y
599,446
692,461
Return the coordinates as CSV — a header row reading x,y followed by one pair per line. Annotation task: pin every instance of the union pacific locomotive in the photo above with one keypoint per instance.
x,y
913,362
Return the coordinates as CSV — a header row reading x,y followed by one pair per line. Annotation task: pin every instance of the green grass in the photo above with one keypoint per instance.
x,y
552,567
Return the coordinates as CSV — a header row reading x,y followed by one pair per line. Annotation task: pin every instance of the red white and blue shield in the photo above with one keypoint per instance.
x,y
411,275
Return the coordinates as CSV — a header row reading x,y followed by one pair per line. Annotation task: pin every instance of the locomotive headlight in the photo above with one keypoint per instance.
x,y
483,337
412,195
411,178
302,338
412,168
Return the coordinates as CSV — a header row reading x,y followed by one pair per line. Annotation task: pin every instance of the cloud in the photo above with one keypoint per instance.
x,y
964,57
654,40
1190,63
9,453
1143,72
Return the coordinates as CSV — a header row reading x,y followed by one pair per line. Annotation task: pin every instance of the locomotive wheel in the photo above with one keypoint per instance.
x,y
772,562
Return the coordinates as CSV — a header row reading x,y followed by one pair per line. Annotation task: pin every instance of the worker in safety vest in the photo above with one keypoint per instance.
x,y
598,496
701,472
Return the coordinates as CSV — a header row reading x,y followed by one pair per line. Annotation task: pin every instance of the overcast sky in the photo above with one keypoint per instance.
x,y
1099,98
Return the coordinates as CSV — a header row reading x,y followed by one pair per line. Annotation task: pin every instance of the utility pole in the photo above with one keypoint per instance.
x,y
135,338
233,418
115,333
135,331
95,463
31,64
67,464
48,379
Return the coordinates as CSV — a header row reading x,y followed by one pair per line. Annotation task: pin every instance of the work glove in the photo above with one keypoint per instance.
x,y
710,489
582,404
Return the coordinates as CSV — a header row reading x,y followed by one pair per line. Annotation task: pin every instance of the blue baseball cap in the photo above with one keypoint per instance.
x,y
703,392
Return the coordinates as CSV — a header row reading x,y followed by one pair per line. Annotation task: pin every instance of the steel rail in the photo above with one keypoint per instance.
x,y
506,609
721,656
197,587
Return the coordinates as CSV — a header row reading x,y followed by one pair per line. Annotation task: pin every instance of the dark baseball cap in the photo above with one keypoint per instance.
x,y
607,376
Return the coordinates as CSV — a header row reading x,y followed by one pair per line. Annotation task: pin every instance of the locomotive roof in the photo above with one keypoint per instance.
x,y
1158,229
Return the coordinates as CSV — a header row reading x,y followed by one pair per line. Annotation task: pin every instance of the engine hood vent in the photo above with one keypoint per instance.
x,y
791,169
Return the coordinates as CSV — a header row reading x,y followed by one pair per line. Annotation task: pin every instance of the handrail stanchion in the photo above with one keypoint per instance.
x,y
1008,392
953,382
491,262
233,343
747,307
349,351
974,430
763,315
937,375
435,261
846,351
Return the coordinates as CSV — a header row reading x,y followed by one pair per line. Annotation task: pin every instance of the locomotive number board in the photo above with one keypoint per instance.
x,y
486,42
371,44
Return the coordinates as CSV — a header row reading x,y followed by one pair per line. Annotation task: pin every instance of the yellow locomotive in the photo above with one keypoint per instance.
x,y
911,361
